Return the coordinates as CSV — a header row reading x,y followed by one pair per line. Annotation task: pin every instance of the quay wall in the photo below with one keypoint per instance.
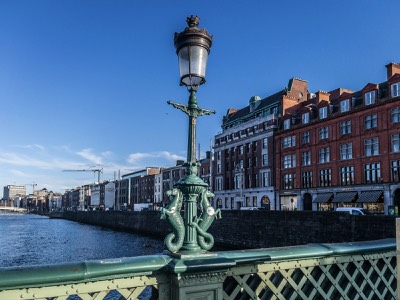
x,y
256,229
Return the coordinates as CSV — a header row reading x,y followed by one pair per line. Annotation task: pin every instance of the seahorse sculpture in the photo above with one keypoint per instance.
x,y
207,217
172,213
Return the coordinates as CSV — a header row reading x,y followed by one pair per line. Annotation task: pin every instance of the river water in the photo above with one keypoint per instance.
x,y
27,240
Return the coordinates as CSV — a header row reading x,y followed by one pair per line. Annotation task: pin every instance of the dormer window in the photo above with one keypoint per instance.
x,y
345,105
369,98
286,124
305,118
395,89
323,112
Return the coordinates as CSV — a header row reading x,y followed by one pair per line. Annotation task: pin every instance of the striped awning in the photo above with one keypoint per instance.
x,y
323,198
370,196
344,197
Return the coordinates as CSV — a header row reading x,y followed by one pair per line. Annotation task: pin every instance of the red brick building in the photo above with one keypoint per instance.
x,y
341,148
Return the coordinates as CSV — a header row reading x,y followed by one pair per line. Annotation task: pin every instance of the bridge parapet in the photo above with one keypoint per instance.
x,y
313,271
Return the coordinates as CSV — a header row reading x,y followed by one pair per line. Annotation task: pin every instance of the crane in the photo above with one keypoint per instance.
x,y
33,185
100,170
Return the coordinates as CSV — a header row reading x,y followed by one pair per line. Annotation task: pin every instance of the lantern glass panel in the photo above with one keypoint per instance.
x,y
192,65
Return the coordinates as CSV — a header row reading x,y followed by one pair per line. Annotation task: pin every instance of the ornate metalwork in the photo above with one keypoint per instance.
x,y
207,217
194,192
174,241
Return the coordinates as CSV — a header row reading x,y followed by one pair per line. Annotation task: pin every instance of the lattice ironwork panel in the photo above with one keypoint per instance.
x,y
141,287
350,277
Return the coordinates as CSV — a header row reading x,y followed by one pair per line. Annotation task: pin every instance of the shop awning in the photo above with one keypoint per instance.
x,y
323,198
344,197
370,196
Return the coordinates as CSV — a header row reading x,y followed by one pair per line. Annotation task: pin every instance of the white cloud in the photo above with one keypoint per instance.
x,y
19,173
162,158
32,146
90,156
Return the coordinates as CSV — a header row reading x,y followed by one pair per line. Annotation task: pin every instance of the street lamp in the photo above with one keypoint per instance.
x,y
190,236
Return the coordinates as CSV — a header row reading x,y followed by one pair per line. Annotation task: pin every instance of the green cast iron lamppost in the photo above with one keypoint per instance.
x,y
190,192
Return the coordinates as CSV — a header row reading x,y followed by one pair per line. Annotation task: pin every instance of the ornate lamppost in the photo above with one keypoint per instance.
x,y
190,231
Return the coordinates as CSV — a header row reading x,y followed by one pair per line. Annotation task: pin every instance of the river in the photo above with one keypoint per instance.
x,y
27,240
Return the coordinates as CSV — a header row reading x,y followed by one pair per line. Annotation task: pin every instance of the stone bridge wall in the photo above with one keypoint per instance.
x,y
256,229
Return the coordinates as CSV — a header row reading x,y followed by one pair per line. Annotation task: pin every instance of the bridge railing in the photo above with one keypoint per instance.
x,y
358,270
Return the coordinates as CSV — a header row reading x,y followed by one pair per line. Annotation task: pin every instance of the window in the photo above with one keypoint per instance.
x,y
287,181
347,175
218,154
306,158
372,173
395,168
325,177
289,161
256,161
238,182
396,142
371,121
369,98
218,184
265,143
395,89
306,179
264,159
345,105
323,112
289,141
256,180
266,179
305,118
254,201
286,124
219,168
345,127
323,132
249,181
396,115
324,155
371,147
240,149
241,163
305,138
346,151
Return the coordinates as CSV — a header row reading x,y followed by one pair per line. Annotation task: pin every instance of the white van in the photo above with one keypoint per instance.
x,y
248,208
353,210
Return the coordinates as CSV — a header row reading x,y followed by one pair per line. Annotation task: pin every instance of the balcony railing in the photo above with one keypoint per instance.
x,y
358,270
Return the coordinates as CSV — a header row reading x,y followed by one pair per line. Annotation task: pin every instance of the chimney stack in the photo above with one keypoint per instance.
x,y
392,69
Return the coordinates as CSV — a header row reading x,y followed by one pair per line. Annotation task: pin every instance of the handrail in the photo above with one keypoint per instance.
x,y
11,278
312,250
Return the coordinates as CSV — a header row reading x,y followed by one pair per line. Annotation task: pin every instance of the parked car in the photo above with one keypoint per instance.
x,y
248,208
353,210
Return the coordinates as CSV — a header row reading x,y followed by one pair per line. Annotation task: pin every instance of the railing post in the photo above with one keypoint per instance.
x,y
198,286
198,276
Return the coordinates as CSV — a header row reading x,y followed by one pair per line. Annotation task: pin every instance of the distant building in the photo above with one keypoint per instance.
x,y
158,189
11,191
243,168
121,193
141,186
341,148
170,176
206,169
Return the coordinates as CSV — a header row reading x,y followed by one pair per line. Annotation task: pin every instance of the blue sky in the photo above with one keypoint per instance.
x,y
86,83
